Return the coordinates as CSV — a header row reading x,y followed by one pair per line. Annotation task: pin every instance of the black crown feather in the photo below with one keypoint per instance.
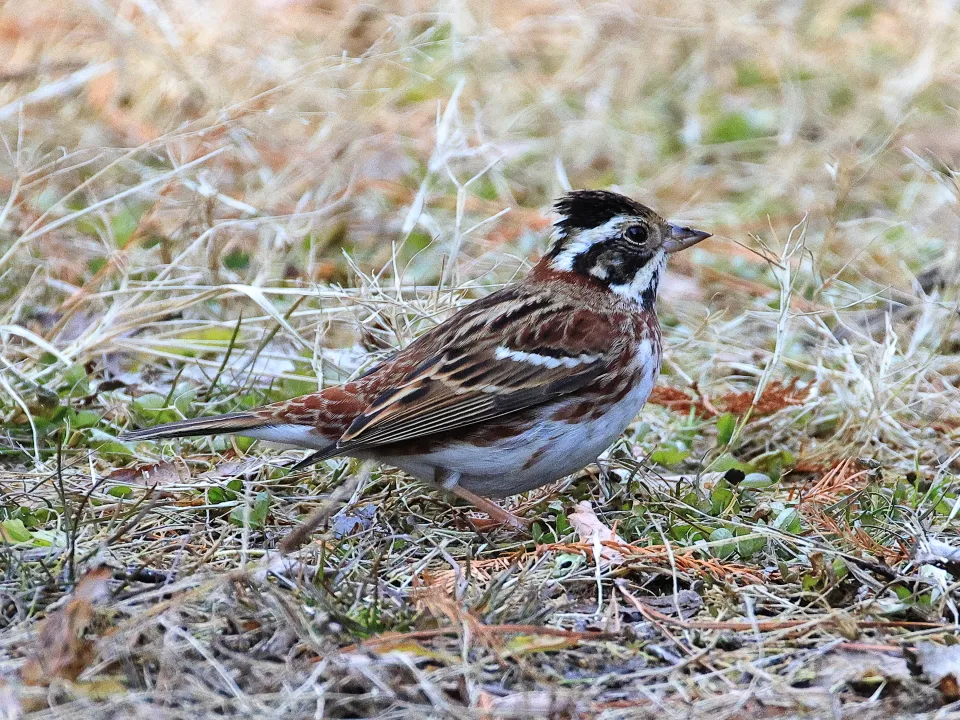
x,y
585,209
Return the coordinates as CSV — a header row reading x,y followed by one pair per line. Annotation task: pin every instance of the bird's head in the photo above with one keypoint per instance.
x,y
616,241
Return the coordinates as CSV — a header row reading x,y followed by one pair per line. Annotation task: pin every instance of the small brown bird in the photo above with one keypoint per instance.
x,y
519,389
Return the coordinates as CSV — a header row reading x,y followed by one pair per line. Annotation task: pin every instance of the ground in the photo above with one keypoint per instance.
x,y
209,205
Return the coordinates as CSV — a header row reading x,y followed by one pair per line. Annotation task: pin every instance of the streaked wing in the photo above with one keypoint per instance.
x,y
514,350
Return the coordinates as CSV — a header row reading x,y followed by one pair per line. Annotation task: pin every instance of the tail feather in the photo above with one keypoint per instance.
x,y
249,424
218,424
313,458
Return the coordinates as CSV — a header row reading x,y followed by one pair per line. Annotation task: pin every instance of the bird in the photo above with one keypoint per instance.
x,y
518,389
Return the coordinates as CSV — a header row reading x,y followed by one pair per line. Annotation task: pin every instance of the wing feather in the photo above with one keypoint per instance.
x,y
514,350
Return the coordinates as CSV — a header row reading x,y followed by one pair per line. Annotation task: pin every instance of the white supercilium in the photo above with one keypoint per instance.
x,y
585,240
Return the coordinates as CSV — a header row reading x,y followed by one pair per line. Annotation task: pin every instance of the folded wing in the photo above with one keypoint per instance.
x,y
509,352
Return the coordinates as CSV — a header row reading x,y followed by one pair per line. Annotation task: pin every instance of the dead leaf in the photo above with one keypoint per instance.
x,y
775,397
147,475
941,663
861,668
592,530
481,571
527,644
536,703
231,470
678,401
350,521
64,648
684,604
930,551
282,566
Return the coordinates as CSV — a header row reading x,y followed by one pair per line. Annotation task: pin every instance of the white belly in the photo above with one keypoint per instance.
x,y
546,452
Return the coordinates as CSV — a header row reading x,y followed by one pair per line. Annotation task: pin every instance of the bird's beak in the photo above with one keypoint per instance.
x,y
681,238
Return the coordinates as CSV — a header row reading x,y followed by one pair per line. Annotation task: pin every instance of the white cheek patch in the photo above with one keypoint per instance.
x,y
505,353
645,277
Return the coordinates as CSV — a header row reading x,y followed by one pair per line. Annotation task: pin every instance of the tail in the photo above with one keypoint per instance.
x,y
249,424
231,423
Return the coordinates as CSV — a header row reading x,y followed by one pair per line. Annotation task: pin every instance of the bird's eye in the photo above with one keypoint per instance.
x,y
636,234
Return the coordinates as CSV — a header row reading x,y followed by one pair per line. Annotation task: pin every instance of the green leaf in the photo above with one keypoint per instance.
x,y
106,444
74,381
217,495
565,563
788,520
537,532
25,515
756,481
669,456
14,531
151,402
840,568
733,127
726,424
258,512
726,462
74,374
902,593
749,74
237,260
215,336
33,518
748,548
721,497
686,534
184,401
83,419
261,507
124,223
726,550
153,408
49,538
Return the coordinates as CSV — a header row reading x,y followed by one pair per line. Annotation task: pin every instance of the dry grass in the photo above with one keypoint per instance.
x,y
206,206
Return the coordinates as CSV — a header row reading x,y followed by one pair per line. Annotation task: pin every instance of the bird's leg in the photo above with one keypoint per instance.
x,y
605,477
450,481
604,470
492,509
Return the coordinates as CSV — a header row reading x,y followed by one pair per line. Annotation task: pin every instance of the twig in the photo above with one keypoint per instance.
x,y
297,537
392,638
